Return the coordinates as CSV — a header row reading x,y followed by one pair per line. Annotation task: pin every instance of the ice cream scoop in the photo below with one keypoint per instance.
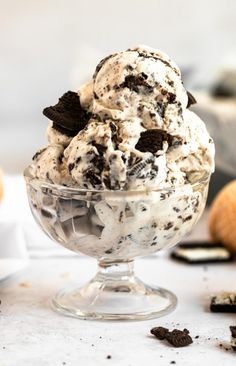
x,y
128,128
132,166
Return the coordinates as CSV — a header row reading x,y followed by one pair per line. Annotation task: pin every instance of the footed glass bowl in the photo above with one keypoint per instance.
x,y
115,227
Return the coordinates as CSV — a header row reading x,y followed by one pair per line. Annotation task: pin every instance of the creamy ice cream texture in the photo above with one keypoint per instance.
x,y
129,128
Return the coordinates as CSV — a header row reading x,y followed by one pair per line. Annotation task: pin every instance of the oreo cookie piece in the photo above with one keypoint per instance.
x,y
159,332
191,99
137,83
201,253
67,115
176,337
179,338
152,140
233,337
224,302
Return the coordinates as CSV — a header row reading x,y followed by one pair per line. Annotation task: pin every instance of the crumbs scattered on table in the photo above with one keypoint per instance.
x,y
108,357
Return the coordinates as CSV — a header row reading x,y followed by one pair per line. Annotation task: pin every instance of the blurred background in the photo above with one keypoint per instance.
x,y
51,46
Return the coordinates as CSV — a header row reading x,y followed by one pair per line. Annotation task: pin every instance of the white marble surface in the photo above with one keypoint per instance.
x,y
32,334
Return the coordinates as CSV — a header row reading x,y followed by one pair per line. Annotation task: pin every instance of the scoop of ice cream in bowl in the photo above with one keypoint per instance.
x,y
125,174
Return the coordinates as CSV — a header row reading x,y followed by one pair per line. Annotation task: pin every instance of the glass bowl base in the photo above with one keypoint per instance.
x,y
126,299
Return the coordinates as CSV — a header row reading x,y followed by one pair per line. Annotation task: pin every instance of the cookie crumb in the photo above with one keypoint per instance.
x,y
179,338
191,99
108,357
176,337
159,332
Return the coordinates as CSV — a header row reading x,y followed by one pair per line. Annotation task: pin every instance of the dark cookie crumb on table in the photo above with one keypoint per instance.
x,y
179,338
159,332
176,337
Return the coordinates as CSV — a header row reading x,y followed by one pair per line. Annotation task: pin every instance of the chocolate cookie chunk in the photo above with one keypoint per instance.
x,y
222,91
201,253
92,178
223,303
152,140
179,338
233,337
176,337
67,115
137,83
191,99
159,332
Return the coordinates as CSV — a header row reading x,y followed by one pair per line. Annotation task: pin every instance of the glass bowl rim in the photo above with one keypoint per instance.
x,y
29,178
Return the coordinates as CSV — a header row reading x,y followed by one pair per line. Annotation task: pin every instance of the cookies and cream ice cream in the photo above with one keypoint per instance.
x,y
135,154
129,128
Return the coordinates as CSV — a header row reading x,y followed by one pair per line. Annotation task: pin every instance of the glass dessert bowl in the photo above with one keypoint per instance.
x,y
115,227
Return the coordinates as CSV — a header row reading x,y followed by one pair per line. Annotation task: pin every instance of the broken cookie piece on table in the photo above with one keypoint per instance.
x,y
224,302
201,253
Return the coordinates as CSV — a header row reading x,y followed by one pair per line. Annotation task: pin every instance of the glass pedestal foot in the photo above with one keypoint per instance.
x,y
115,293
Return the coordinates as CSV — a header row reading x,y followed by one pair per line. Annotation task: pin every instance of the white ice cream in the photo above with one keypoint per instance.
x,y
132,92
